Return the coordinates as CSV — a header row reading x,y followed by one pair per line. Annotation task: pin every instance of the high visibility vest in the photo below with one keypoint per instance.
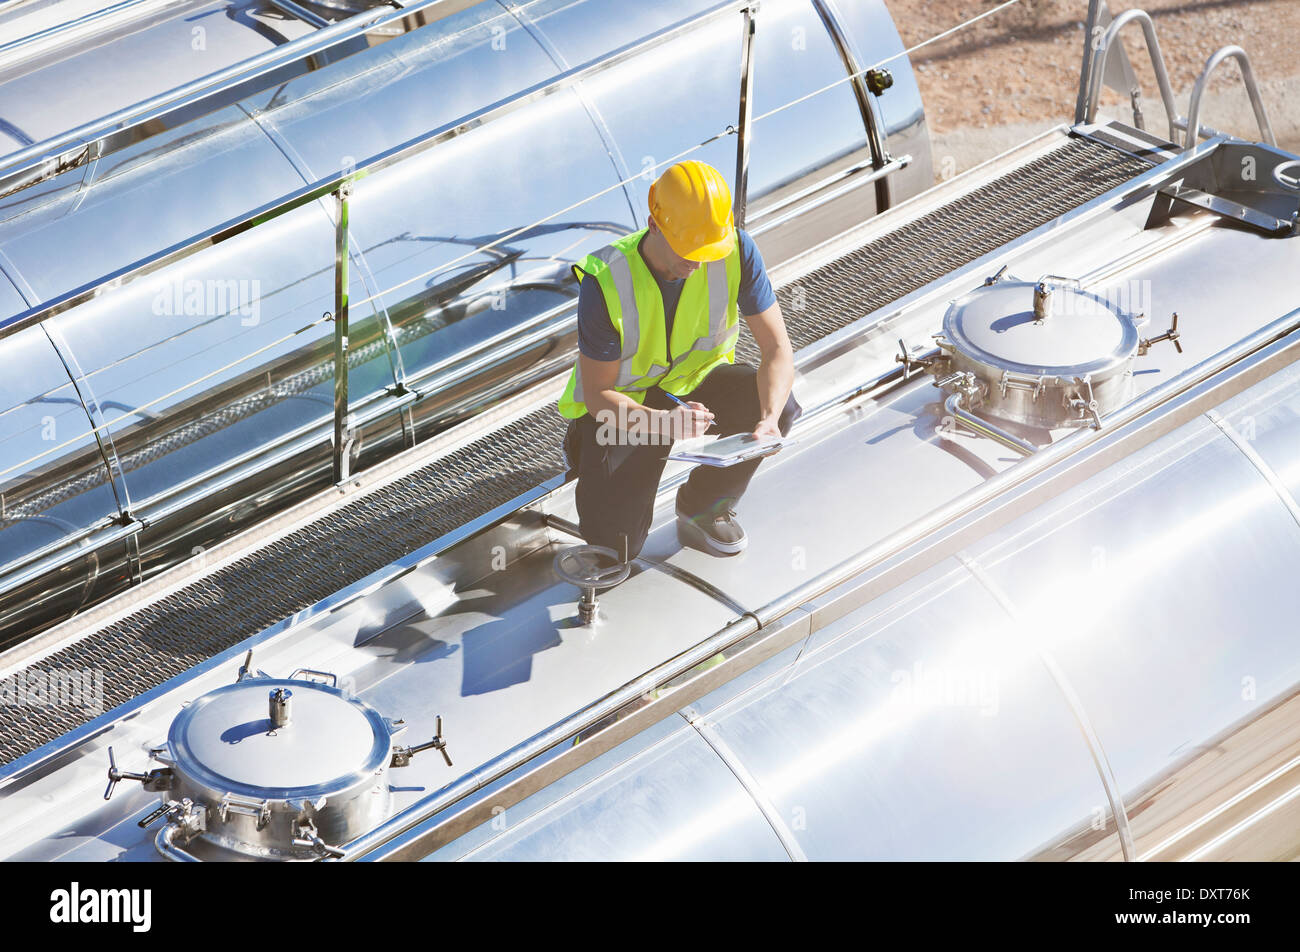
x,y
705,326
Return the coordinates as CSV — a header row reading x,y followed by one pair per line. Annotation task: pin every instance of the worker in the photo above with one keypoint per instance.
x,y
657,315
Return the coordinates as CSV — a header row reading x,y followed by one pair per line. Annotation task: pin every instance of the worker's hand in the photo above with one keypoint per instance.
x,y
689,421
767,430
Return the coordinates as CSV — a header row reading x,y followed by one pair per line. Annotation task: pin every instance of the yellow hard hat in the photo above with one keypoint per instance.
x,y
691,204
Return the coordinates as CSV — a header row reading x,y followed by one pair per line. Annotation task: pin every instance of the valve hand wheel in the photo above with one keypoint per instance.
x,y
1287,174
591,568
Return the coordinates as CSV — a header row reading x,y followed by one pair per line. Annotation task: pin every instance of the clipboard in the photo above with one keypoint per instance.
x,y
728,450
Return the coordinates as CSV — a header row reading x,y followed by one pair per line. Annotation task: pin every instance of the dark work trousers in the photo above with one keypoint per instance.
x,y
617,484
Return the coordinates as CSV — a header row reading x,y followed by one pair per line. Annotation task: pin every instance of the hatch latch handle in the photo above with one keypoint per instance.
x,y
402,755
1043,294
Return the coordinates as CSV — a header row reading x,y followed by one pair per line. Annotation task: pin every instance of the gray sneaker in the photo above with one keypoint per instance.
x,y
716,530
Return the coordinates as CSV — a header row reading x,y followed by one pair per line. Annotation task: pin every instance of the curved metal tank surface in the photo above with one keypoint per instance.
x,y
207,384
964,716
67,73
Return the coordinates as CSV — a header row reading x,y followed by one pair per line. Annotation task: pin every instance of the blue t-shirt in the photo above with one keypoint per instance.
x,y
597,338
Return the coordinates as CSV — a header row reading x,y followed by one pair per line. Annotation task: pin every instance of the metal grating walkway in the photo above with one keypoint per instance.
x,y
164,639
928,247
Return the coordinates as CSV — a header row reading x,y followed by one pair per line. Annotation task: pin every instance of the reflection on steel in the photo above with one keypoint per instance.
x,y
1038,462
1244,445
111,127
1114,795
105,13
849,180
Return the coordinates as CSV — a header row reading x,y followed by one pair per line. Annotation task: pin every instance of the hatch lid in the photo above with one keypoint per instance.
x,y
1080,333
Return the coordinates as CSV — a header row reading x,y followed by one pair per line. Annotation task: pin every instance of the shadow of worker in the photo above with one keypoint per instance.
x,y
499,653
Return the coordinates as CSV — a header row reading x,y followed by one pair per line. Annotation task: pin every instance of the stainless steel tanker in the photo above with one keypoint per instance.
x,y
1020,590
186,406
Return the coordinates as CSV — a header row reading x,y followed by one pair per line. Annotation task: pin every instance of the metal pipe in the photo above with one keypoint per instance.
x,y
1085,70
1095,79
743,121
342,438
65,552
1202,81
854,180
952,406
108,12
165,844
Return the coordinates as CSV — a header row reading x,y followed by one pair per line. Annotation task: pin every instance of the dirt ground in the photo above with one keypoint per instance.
x,y
1018,70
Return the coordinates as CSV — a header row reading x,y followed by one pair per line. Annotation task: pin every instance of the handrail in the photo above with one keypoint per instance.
x,y
740,199
1252,90
844,182
872,118
1095,80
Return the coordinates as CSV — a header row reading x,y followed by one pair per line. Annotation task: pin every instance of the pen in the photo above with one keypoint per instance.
x,y
683,403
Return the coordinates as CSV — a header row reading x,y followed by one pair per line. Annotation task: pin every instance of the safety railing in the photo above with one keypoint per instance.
x,y
1203,81
1095,71
1098,71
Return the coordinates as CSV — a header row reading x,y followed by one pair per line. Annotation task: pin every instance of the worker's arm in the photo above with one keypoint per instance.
x,y
776,371
608,406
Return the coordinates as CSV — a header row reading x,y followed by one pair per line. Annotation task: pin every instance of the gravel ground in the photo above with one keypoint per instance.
x,y
1017,72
